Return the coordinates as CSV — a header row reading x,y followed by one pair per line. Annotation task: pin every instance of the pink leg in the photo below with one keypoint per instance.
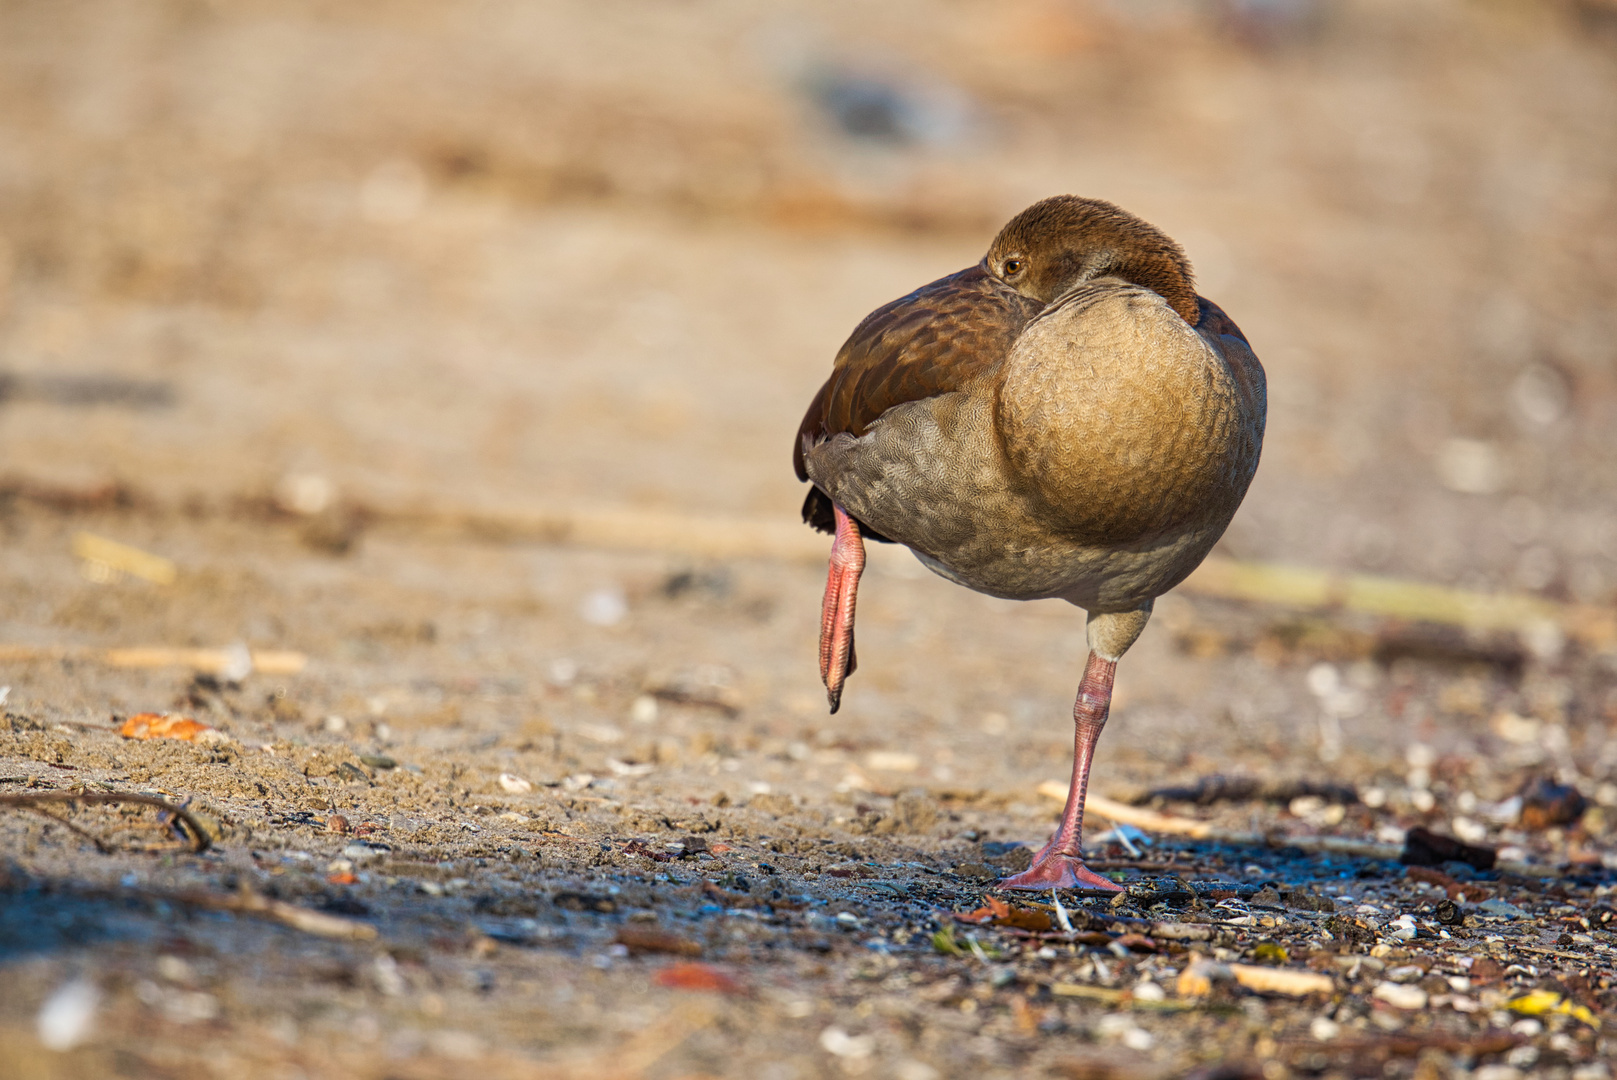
x,y
1060,863
837,660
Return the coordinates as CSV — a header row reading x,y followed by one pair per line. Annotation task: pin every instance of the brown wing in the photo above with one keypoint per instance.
x,y
921,345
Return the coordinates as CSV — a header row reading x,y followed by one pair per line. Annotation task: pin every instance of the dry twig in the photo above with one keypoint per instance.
x,y
247,902
35,801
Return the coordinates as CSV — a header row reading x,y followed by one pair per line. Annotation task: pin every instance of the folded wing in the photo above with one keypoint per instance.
x,y
931,342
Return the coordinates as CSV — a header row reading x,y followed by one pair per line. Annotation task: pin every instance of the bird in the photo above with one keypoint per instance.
x,y
1065,419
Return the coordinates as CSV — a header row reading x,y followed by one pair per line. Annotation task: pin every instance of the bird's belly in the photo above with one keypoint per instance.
x,y
1094,578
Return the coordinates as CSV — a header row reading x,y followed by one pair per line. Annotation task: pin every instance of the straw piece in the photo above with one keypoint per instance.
x,y
110,555
1293,983
1198,977
1131,815
267,662
215,661
1297,586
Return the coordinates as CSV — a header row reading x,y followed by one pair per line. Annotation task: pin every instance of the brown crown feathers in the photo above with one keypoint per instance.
x,y
1067,240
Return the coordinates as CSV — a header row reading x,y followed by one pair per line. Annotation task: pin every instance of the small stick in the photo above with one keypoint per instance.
x,y
298,918
1123,838
31,800
1061,913
68,825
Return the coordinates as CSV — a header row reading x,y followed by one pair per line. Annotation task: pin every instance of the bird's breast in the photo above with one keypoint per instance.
x,y
1122,423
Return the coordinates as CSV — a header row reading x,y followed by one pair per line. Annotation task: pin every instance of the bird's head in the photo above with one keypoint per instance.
x,y
1065,241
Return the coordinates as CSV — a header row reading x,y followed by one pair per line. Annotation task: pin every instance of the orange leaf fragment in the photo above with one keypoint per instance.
x,y
994,908
1026,919
1000,913
690,976
149,725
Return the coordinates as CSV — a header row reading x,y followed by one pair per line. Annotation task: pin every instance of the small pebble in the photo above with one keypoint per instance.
x,y
1502,908
604,607
176,970
1496,1072
1410,998
361,850
1124,1030
563,671
1148,991
337,823
1324,1029
515,785
853,1047
68,1016
915,1070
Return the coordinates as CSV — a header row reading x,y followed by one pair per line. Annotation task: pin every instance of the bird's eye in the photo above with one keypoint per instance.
x,y
1012,267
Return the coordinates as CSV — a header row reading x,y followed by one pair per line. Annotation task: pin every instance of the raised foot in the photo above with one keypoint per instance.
x,y
1059,872
837,659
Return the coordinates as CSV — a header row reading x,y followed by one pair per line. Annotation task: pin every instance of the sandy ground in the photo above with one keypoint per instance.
x,y
284,288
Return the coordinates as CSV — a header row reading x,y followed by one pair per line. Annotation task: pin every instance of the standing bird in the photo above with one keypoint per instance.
x,y
1065,419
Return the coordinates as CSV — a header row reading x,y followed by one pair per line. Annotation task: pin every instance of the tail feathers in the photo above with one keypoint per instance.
x,y
818,513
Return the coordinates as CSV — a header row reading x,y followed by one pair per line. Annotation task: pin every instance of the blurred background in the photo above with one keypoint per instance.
x,y
510,253
317,304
